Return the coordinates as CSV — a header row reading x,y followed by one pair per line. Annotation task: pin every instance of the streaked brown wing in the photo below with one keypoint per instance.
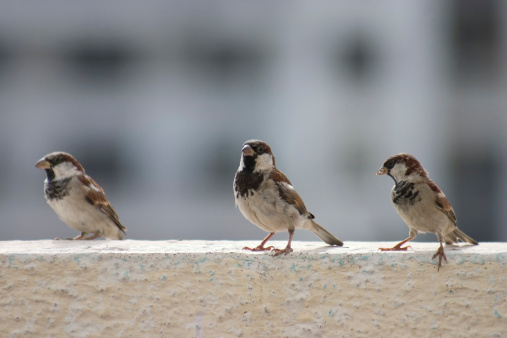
x,y
287,192
442,202
95,196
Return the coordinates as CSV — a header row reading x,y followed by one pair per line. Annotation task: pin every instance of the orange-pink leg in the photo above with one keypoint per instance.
x,y
398,247
261,246
92,237
81,236
287,248
441,254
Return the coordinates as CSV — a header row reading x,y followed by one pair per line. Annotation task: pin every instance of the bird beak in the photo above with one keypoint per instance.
x,y
247,150
43,164
382,171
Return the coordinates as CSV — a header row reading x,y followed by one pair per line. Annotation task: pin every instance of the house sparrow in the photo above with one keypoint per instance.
x,y
421,204
266,198
77,199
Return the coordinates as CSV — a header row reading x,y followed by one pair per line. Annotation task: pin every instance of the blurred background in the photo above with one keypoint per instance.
x,y
156,99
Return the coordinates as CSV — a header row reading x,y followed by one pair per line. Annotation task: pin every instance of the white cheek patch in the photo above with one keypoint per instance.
x,y
398,171
263,162
66,169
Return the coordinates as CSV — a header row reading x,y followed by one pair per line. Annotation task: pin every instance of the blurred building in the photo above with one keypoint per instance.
x,y
156,99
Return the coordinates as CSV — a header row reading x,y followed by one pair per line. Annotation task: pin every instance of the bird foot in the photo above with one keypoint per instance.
x,y
396,248
441,254
259,248
77,238
285,251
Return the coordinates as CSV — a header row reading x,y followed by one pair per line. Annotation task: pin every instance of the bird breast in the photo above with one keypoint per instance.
x,y
265,208
72,208
416,205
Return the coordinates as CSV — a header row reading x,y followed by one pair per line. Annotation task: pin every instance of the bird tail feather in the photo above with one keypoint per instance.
x,y
325,235
453,237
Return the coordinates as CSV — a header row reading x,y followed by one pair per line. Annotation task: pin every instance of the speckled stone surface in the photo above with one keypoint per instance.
x,y
213,288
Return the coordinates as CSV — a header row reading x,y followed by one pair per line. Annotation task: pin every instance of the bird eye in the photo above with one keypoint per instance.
x,y
260,149
390,164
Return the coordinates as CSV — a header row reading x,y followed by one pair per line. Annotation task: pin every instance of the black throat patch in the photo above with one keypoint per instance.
x,y
57,189
50,174
404,193
245,182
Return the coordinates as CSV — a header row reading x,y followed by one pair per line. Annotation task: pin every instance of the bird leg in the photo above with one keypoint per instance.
x,y
81,236
398,247
261,246
92,237
287,249
440,253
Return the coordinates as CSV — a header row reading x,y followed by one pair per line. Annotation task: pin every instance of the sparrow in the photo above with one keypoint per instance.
x,y
77,199
265,197
421,204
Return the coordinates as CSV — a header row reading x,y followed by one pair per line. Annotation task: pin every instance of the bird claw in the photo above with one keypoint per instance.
x,y
441,254
285,251
396,248
259,248
81,237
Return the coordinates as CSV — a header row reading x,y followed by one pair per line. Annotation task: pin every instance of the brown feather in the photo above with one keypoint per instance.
x,y
434,186
413,165
69,158
443,204
287,192
95,195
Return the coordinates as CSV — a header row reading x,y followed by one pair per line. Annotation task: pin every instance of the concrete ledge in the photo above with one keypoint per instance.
x,y
213,288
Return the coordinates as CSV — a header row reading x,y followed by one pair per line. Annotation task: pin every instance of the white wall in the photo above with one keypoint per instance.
x,y
213,288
